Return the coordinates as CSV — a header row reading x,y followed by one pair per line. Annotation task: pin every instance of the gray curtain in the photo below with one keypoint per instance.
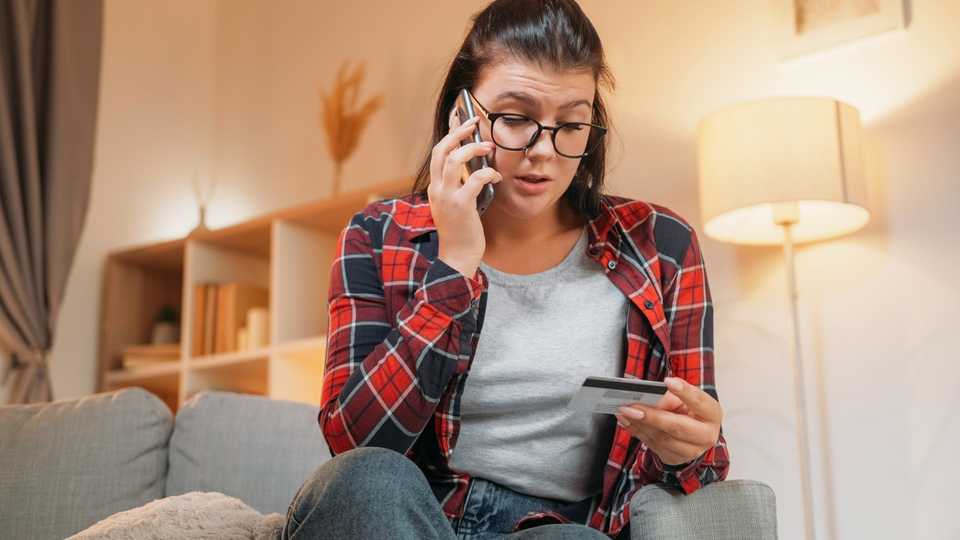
x,y
49,83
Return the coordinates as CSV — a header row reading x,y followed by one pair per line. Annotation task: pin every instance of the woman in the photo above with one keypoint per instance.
x,y
441,430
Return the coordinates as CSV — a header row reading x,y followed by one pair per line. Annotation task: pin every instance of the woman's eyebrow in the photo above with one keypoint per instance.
x,y
528,99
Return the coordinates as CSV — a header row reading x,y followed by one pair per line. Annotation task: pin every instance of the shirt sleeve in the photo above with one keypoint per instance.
x,y
384,375
689,310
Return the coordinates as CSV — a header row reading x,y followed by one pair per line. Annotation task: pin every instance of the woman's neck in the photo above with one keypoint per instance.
x,y
503,231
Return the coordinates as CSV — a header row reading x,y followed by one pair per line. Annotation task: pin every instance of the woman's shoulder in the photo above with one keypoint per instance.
x,y
410,203
651,224
408,214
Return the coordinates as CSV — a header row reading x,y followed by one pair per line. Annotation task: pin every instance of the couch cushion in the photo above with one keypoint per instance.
x,y
250,447
728,510
68,464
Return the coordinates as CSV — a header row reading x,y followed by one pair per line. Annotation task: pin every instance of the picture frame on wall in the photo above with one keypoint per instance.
x,y
818,25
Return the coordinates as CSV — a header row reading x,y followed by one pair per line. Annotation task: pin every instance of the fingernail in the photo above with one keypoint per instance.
x,y
488,144
621,421
674,384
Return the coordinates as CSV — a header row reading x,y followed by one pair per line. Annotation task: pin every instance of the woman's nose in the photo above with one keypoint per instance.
x,y
542,146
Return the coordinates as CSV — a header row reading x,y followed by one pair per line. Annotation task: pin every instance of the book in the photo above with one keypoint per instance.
x,y
199,318
234,301
210,318
138,356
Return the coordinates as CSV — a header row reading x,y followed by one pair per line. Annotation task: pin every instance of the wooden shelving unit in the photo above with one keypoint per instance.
x,y
289,252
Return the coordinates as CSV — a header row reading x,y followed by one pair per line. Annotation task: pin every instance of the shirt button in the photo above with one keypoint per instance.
x,y
611,264
648,304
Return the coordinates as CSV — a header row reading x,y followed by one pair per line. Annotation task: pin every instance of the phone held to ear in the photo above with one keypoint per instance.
x,y
465,111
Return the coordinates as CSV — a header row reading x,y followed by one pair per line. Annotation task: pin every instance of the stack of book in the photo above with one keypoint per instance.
x,y
220,313
141,356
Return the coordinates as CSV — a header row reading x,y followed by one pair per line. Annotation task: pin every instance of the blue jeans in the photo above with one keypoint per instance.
x,y
378,493
491,510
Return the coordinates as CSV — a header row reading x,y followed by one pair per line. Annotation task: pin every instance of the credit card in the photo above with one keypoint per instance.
x,y
606,394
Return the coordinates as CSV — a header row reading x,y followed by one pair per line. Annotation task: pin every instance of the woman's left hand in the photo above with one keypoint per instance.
x,y
684,424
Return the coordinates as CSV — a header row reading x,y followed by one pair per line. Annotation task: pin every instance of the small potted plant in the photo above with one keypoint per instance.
x,y
166,327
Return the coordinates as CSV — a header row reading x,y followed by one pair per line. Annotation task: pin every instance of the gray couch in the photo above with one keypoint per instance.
x,y
68,464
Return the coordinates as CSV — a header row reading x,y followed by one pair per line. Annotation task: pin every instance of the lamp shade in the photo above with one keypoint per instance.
x,y
793,160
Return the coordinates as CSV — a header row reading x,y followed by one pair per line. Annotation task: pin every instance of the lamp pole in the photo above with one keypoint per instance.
x,y
803,447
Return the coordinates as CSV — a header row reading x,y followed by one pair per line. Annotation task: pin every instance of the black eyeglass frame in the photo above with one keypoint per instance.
x,y
492,117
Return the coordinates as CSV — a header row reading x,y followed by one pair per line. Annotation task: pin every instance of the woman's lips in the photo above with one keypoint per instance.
x,y
534,179
530,187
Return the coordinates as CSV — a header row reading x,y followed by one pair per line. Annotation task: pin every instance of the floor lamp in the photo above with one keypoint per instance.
x,y
784,171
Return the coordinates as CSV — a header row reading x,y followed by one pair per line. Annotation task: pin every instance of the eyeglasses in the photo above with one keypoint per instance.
x,y
512,131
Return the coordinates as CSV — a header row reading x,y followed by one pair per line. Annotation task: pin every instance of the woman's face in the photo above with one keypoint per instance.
x,y
551,98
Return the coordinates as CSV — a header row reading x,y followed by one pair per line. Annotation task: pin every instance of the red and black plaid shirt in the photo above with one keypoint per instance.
x,y
404,327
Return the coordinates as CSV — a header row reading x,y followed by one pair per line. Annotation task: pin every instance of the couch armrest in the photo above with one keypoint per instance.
x,y
731,509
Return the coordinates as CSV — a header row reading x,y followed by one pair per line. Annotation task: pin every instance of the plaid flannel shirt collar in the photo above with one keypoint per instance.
x,y
417,221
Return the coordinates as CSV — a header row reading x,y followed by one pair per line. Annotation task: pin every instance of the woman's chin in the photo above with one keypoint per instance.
x,y
521,206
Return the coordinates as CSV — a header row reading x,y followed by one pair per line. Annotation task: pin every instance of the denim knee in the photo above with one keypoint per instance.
x,y
358,478
381,467
366,493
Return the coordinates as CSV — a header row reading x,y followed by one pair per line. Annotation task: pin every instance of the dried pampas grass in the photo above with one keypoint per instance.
x,y
342,120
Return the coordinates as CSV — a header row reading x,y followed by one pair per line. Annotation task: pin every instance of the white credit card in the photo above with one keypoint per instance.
x,y
607,394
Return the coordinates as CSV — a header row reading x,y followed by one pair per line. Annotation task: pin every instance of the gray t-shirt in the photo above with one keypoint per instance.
x,y
542,334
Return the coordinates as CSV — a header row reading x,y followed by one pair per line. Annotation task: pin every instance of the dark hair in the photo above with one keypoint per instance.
x,y
549,33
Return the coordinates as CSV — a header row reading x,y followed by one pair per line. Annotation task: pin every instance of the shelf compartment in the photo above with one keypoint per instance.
x,y
245,373
211,263
309,345
252,238
135,375
162,380
296,370
300,274
136,285
214,361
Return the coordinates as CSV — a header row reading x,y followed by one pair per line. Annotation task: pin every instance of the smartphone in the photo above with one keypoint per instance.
x,y
465,111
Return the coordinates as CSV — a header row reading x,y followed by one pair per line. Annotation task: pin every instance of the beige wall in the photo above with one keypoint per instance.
x,y
155,125
233,87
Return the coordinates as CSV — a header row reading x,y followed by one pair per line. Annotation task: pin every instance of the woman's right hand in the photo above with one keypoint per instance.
x,y
453,203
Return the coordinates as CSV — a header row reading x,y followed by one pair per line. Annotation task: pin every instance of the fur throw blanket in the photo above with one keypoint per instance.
x,y
191,516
